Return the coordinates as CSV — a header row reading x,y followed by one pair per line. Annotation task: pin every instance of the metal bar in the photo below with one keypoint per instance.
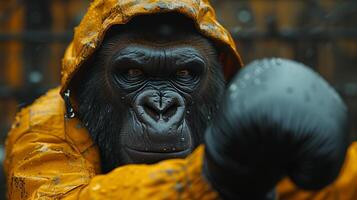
x,y
309,34
36,36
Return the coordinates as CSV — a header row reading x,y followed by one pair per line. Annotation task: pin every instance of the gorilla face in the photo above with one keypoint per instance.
x,y
149,92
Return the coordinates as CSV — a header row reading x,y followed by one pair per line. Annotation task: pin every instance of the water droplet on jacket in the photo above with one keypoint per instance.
x,y
96,187
179,187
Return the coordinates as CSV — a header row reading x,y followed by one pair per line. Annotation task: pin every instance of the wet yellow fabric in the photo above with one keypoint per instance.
x,y
50,157
344,188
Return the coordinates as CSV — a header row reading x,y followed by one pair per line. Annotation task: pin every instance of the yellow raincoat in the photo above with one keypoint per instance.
x,y
50,157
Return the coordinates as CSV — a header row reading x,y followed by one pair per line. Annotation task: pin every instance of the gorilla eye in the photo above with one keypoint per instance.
x,y
183,73
134,72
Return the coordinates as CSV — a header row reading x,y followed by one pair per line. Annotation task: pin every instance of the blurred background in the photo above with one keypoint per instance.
x,y
319,33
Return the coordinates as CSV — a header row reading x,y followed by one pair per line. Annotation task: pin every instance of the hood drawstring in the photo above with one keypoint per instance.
x,y
69,109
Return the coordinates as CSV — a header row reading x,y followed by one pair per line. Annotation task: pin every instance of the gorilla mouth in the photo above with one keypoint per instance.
x,y
149,157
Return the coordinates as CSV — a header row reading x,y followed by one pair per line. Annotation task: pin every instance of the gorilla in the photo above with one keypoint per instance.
x,y
154,90
148,93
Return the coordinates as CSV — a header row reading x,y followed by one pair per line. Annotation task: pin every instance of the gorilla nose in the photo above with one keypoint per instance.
x,y
160,111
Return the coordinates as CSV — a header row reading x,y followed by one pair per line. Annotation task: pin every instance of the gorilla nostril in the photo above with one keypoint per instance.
x,y
156,113
169,112
152,112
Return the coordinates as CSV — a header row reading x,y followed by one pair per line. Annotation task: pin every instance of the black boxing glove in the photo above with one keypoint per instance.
x,y
278,118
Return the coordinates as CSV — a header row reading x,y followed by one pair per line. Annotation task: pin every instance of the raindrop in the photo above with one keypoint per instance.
x,y
209,117
233,87
257,71
173,149
182,139
96,187
179,187
244,16
278,61
164,149
188,112
35,77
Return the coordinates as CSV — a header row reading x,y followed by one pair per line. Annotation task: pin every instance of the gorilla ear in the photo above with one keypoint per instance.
x,y
230,68
77,84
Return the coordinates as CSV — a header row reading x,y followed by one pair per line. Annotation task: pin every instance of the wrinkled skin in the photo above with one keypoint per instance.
x,y
148,93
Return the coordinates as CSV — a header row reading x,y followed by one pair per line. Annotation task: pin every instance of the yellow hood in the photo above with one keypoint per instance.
x,y
103,14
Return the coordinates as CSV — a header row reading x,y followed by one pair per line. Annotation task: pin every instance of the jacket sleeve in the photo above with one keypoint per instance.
x,y
345,187
43,166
